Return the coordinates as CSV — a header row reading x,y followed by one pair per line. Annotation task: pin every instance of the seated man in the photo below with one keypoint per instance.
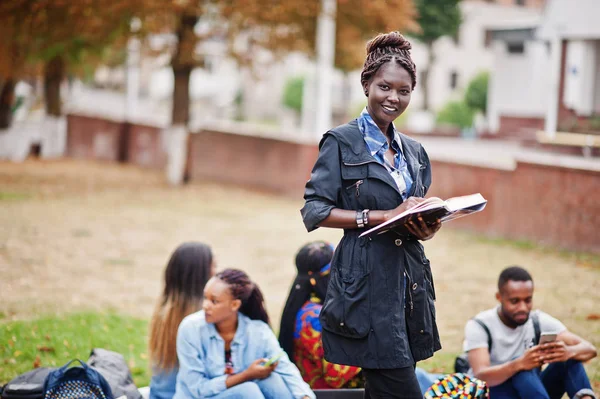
x,y
511,367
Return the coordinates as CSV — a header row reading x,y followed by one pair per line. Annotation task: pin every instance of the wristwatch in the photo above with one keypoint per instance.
x,y
360,222
365,217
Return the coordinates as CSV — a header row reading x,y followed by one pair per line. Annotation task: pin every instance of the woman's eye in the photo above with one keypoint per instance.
x,y
404,92
384,87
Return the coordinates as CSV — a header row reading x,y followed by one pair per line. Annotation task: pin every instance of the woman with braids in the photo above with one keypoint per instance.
x,y
191,265
300,331
379,310
223,349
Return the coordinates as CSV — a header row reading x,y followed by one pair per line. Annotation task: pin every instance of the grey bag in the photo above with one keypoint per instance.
x,y
114,369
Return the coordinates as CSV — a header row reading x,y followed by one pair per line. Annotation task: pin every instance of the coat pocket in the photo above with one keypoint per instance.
x,y
346,310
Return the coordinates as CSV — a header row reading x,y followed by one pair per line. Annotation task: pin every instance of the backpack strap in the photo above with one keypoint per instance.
x,y
487,331
537,331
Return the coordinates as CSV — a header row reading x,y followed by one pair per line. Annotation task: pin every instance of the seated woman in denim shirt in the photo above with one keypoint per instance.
x,y
222,348
190,267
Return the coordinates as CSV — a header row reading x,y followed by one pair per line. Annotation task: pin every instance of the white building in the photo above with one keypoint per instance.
x,y
553,81
458,60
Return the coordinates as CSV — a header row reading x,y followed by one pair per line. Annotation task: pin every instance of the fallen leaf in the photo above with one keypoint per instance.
x,y
143,356
66,343
593,316
45,349
37,362
17,353
47,337
12,360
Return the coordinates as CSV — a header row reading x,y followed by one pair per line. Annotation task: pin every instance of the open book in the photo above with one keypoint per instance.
x,y
431,210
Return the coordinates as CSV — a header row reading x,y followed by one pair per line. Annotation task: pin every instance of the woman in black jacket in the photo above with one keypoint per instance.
x,y
379,310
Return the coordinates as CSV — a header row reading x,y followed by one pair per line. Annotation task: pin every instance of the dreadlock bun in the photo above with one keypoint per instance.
x,y
386,47
388,42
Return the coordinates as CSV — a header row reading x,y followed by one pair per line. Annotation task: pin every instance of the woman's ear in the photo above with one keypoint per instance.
x,y
366,88
236,304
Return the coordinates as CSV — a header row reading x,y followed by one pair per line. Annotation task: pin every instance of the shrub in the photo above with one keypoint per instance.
x,y
476,93
456,113
293,93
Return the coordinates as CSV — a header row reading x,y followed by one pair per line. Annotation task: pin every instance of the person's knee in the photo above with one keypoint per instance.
x,y
274,387
529,384
526,375
248,390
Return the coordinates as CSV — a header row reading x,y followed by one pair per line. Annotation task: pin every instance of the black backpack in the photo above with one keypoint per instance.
x,y
461,363
76,382
29,385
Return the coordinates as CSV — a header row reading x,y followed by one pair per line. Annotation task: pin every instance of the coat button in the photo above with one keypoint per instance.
x,y
342,324
398,242
414,286
422,331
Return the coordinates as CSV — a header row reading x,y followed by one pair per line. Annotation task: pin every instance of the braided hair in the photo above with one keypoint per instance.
x,y
384,48
310,280
242,288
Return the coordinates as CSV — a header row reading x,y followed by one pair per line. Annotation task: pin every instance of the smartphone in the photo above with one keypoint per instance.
x,y
274,359
546,337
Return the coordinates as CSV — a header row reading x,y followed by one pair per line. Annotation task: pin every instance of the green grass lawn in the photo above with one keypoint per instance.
x,y
53,341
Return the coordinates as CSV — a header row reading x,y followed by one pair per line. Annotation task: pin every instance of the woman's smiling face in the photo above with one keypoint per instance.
x,y
388,93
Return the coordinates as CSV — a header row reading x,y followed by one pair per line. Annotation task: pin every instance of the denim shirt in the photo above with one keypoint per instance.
x,y
378,146
162,384
201,354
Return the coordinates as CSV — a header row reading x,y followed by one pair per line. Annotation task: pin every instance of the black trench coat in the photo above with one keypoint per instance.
x,y
372,317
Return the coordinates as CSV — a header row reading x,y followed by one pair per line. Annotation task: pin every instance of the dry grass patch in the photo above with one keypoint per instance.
x,y
81,236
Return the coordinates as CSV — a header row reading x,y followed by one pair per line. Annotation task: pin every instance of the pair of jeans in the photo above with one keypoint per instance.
x,y
272,387
399,383
426,379
552,383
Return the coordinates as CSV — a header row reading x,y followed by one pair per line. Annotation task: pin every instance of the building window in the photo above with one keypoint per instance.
x,y
515,48
520,2
453,79
487,41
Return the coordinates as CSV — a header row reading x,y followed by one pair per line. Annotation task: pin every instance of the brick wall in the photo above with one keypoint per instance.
x,y
90,137
274,165
551,205
146,146
95,138
556,206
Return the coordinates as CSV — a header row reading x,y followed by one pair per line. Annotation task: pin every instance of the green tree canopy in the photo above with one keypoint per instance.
x,y
436,19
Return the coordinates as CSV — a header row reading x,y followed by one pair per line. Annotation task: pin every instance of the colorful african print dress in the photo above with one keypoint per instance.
x,y
308,350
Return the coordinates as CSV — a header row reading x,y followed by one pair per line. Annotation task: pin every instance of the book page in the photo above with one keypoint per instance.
x,y
433,209
466,201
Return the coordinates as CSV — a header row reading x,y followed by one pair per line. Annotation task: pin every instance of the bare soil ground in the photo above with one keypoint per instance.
x,y
82,236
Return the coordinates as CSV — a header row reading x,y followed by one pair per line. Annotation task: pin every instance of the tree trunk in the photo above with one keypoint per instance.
x,y
54,73
426,74
182,69
7,97
181,95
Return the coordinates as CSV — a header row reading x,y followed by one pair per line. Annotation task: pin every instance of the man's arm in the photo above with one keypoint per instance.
x,y
479,359
568,346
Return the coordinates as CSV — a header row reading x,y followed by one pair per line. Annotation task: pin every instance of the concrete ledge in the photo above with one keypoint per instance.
x,y
570,139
